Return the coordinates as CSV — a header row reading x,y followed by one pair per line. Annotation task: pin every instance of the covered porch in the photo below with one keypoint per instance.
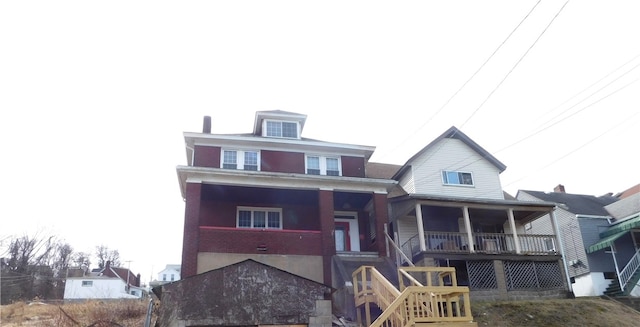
x,y
432,225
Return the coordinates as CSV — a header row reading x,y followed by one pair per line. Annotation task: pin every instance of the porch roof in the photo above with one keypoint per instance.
x,y
528,210
614,232
605,242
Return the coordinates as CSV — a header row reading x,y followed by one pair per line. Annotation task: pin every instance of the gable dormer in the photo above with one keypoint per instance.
x,y
279,124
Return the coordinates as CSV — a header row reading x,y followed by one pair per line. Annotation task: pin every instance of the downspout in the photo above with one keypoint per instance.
x,y
556,228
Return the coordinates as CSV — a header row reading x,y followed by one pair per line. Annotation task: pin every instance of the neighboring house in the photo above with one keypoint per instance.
x,y
301,205
107,283
598,234
170,273
454,214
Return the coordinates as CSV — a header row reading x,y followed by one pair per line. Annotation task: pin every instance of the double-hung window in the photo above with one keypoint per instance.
x,y
241,159
321,165
282,129
457,178
263,218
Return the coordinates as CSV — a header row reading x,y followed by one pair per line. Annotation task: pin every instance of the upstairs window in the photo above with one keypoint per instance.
x,y
282,129
242,160
457,178
263,218
87,283
320,165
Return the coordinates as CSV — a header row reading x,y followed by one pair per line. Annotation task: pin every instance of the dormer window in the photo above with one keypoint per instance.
x,y
457,178
242,160
321,165
281,129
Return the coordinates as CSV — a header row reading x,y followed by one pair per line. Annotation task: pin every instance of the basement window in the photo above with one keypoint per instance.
x,y
262,218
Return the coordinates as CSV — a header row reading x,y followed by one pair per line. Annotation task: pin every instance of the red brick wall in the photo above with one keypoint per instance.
x,y
206,156
282,162
325,200
191,232
240,240
380,208
352,166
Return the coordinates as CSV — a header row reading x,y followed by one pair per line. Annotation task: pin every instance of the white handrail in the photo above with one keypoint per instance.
x,y
628,270
398,250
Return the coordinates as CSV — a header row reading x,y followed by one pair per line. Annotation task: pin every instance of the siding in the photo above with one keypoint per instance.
x,y
407,228
407,181
453,154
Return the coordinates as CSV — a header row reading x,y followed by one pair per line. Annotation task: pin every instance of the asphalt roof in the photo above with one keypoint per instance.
x,y
577,203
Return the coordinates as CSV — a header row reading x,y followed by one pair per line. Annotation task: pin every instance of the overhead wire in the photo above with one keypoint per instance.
x,y
470,78
502,81
515,65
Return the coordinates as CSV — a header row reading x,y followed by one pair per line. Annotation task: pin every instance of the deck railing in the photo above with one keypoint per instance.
x,y
494,243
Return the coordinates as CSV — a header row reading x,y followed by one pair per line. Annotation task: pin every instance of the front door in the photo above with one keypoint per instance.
x,y
342,236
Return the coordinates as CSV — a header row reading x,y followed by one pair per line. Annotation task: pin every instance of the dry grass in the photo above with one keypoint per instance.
x,y
582,312
81,314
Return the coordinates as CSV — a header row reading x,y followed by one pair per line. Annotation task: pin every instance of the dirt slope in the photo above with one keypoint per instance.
x,y
581,312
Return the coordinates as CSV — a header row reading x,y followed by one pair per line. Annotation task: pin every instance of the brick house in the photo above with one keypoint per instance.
x,y
280,199
320,210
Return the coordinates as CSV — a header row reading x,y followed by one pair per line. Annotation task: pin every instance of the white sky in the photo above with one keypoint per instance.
x,y
94,97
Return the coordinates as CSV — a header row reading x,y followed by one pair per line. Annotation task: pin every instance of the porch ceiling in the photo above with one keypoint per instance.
x,y
487,209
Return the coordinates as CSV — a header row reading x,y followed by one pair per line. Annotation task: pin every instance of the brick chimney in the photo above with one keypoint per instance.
x,y
206,125
559,189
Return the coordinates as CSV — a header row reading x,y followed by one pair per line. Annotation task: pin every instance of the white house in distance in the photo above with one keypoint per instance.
x,y
170,273
108,283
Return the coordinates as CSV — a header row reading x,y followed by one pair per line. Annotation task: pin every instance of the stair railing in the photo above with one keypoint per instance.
x,y
397,249
416,303
628,270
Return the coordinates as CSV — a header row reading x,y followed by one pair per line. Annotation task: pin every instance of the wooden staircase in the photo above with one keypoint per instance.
x,y
428,297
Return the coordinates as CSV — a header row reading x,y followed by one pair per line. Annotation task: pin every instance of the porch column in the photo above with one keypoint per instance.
x,y
327,227
615,263
191,233
381,210
423,244
512,224
556,229
467,227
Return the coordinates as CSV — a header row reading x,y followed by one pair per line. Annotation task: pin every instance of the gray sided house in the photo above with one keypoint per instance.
x,y
247,293
598,234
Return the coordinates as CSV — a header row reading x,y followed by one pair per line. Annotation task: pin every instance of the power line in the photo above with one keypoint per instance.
x,y
578,148
516,65
470,78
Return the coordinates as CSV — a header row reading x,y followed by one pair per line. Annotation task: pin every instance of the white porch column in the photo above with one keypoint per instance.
x,y
615,263
512,224
467,226
556,229
423,244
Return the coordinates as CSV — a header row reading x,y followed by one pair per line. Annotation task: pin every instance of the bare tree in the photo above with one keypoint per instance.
x,y
104,254
81,258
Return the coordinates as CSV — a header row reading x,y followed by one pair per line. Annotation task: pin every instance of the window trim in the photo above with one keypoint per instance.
x,y
265,130
240,158
445,182
323,164
266,210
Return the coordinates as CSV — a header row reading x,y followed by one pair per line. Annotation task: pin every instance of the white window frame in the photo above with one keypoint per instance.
x,y
323,164
265,130
266,210
240,158
446,182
